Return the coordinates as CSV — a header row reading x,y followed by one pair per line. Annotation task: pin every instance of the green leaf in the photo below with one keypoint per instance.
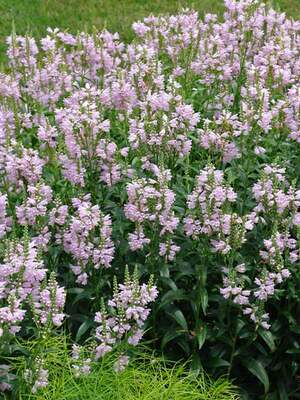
x,y
164,271
87,294
184,269
169,336
178,316
84,327
295,329
217,362
268,338
293,351
172,295
257,369
282,391
196,365
19,348
204,300
239,325
202,274
75,290
182,342
201,335
169,282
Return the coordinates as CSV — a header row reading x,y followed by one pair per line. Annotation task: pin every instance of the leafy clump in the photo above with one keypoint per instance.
x,y
146,377
176,155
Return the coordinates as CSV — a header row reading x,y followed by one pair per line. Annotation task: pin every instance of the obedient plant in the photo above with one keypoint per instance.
x,y
129,312
98,251
176,154
122,323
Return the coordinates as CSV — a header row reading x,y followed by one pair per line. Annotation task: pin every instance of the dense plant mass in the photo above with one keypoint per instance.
x,y
146,377
176,155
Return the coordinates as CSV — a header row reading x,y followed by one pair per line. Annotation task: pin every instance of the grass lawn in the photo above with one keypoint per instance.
x,y
117,15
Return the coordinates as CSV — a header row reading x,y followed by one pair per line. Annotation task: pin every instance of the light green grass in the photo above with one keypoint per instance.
x,y
146,378
35,16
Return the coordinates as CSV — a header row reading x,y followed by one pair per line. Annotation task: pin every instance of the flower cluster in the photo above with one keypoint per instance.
x,y
209,212
128,313
23,283
219,136
151,201
278,253
35,204
49,302
5,221
81,364
275,197
164,124
87,222
37,376
22,273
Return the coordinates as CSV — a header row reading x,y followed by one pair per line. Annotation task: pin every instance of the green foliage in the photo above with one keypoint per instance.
x,y
147,377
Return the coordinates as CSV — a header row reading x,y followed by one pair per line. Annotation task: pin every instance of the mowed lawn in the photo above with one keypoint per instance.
x,y
34,16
